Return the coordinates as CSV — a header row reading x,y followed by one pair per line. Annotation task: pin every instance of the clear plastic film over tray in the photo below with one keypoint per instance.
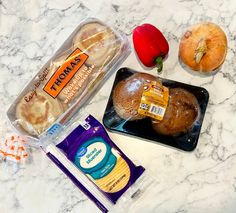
x,y
68,79
156,109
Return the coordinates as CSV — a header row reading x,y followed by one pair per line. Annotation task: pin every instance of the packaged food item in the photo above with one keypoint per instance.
x,y
88,156
157,109
127,95
180,115
100,38
14,148
203,47
154,100
37,114
69,78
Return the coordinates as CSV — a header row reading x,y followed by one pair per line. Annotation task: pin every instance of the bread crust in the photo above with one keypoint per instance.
x,y
127,96
39,113
181,113
98,42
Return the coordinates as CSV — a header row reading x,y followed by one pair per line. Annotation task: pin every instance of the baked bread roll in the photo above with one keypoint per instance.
x,y
127,96
36,115
98,41
203,47
182,111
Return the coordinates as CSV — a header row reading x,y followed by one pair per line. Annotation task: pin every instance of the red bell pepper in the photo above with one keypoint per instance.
x,y
150,45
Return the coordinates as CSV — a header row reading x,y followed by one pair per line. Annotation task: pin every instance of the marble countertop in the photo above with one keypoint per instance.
x,y
196,182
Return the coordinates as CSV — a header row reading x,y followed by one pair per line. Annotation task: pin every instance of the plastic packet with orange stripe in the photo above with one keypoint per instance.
x,y
14,148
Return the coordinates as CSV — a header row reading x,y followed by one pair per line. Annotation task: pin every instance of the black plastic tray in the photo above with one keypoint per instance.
x,y
143,129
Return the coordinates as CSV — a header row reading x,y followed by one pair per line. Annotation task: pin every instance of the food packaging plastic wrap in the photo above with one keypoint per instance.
x,y
87,155
13,147
68,79
46,111
156,109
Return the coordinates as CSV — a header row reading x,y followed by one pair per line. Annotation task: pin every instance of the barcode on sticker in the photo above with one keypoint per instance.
x,y
157,110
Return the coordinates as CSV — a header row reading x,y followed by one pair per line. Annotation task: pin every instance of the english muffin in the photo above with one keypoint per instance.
x,y
99,42
37,113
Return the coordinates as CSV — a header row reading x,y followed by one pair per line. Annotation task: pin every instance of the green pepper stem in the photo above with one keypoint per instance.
x,y
159,63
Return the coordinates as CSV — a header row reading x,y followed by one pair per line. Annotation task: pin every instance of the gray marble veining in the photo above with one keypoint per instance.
x,y
201,181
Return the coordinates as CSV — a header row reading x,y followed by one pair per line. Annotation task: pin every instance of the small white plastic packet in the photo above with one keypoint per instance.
x,y
14,148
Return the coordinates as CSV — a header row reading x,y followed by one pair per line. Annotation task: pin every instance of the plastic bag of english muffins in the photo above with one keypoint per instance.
x,y
68,79
87,155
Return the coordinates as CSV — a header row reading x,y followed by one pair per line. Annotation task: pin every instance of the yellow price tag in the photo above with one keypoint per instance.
x,y
154,100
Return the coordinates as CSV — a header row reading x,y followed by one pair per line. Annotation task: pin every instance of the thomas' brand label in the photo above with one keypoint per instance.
x,y
65,72
154,100
76,83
